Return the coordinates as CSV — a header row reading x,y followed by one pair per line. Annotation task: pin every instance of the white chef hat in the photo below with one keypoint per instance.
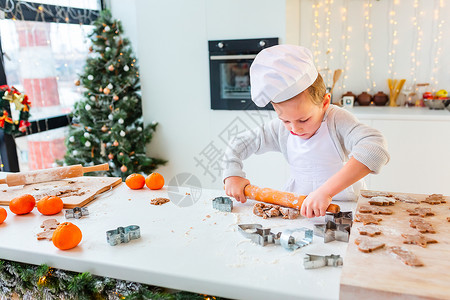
x,y
281,72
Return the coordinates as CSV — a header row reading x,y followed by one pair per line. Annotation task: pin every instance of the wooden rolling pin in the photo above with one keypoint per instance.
x,y
280,198
46,175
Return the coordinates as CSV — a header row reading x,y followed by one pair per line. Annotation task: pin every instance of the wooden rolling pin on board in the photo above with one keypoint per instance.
x,y
285,199
52,174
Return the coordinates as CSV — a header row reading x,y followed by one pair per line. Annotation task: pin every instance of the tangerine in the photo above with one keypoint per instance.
x,y
154,181
22,205
66,236
135,181
50,205
3,214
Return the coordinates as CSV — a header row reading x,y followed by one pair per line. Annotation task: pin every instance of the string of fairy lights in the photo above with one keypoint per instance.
x,y
325,22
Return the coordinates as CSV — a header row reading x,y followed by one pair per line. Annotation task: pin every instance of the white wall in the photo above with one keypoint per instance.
x,y
172,39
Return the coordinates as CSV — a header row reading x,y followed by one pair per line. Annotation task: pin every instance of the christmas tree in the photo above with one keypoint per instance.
x,y
107,124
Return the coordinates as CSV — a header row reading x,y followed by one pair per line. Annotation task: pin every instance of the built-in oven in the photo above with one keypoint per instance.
x,y
229,68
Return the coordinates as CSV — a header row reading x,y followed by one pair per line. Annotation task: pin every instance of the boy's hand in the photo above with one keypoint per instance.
x,y
316,204
234,187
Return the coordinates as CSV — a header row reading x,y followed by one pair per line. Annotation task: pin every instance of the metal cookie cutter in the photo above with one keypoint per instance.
x,y
259,235
223,204
317,261
76,212
332,231
290,240
123,234
343,217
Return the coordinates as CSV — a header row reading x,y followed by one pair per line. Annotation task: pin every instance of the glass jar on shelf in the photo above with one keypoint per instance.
x,y
411,95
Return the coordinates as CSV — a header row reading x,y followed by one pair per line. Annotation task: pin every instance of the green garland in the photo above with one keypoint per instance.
x,y
43,282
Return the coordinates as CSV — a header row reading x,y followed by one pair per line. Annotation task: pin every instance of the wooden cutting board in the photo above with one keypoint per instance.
x,y
380,275
74,192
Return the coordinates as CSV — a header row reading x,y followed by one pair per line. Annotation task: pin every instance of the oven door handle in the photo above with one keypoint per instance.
x,y
232,57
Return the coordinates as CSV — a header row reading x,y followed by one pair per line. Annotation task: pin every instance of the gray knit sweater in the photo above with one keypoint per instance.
x,y
350,137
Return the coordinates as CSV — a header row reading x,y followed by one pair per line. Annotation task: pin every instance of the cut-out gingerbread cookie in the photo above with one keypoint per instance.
x,y
368,244
420,211
406,199
381,201
289,213
367,219
434,199
370,230
49,226
421,225
370,194
406,256
376,210
418,239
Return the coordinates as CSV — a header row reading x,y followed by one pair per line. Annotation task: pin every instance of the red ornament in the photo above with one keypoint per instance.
x,y
123,169
110,156
111,68
115,97
116,143
106,91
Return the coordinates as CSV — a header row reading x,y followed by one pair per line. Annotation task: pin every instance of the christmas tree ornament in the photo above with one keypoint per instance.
x,y
126,68
107,28
121,153
91,49
122,133
123,168
125,98
110,117
75,152
115,97
92,98
107,49
100,89
139,129
110,86
102,149
77,82
72,139
87,144
87,135
110,156
120,121
104,128
111,68
87,107
90,77
106,91
116,143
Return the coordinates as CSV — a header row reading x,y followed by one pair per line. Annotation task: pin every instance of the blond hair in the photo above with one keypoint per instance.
x,y
317,90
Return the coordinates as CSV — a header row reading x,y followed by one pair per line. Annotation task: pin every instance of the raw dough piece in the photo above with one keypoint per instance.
x,y
375,210
434,199
270,210
289,213
420,211
381,200
370,230
418,239
49,226
368,244
159,201
370,194
406,199
367,219
407,257
421,225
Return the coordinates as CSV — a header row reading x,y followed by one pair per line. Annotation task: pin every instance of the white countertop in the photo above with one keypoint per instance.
x,y
180,248
399,113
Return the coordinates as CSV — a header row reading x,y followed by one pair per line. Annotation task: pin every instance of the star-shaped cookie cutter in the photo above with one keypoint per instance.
x,y
311,261
223,204
331,231
287,238
343,217
76,212
123,234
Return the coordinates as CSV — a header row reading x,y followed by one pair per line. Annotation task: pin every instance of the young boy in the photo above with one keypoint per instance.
x,y
329,151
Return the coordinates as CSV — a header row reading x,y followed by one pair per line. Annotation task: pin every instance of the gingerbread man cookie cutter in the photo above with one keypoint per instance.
x,y
311,261
224,204
288,238
76,212
123,234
